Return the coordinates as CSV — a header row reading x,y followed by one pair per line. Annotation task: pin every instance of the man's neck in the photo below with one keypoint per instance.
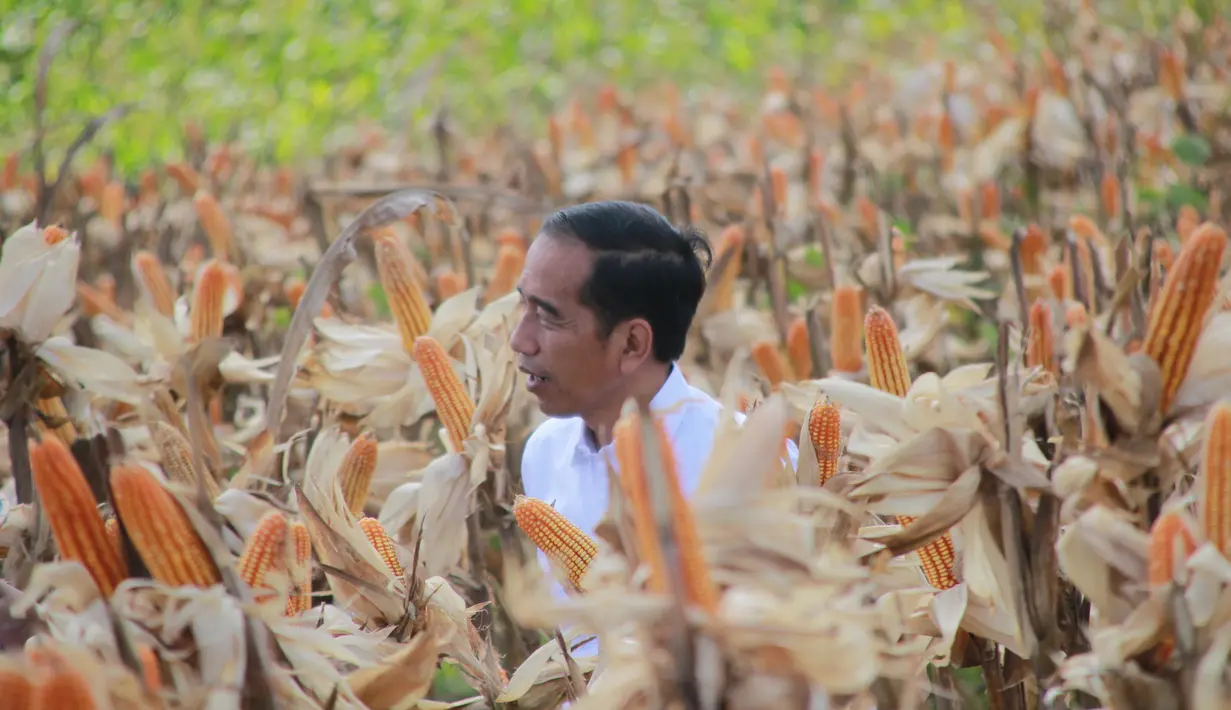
x,y
644,387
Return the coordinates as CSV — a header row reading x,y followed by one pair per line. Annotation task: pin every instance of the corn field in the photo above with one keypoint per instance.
x,y
263,426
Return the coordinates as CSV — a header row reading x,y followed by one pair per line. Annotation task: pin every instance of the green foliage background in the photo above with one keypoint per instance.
x,y
283,74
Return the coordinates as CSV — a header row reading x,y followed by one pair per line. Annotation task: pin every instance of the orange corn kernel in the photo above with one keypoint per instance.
x,y
562,541
825,433
356,470
209,292
1041,351
845,349
799,348
396,266
454,405
160,530
887,367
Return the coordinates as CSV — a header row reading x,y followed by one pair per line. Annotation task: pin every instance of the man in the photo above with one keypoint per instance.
x,y
610,290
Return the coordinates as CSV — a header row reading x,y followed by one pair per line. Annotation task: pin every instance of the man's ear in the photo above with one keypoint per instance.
x,y
637,340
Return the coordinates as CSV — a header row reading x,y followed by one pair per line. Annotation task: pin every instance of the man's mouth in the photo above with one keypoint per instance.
x,y
533,379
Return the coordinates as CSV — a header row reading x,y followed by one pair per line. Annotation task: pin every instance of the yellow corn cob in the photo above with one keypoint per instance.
x,y
1169,536
160,531
53,409
1060,283
300,600
732,240
355,473
453,403
1109,194
176,457
1042,348
214,223
72,514
699,588
151,674
825,432
1186,223
448,284
509,262
207,301
395,264
263,550
562,541
799,348
1177,317
844,350
60,685
769,361
384,545
1216,478
149,274
937,558
113,535
111,207
886,362
16,688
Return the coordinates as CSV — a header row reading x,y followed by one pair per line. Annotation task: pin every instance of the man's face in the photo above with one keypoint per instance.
x,y
568,367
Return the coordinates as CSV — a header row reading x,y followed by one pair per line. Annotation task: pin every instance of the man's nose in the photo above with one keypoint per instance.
x,y
521,339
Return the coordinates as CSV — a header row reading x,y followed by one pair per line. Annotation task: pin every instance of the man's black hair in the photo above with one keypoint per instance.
x,y
644,267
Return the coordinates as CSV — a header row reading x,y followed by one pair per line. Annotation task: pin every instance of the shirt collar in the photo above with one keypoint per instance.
x,y
672,394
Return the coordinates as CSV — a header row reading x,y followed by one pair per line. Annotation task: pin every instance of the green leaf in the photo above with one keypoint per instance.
x,y
795,289
376,292
814,257
1180,195
1192,149
282,318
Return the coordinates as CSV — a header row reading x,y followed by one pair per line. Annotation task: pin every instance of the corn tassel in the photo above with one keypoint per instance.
x,y
825,433
207,301
454,406
152,278
1177,317
395,264
731,242
563,542
1215,495
263,550
53,408
300,599
799,348
844,350
381,541
355,472
175,455
769,361
509,262
1041,351
214,223
699,588
160,530
887,367
72,514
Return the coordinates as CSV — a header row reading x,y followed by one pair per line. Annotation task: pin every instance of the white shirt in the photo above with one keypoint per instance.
x,y
561,467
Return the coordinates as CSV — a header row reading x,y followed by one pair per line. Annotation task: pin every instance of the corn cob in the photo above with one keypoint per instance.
x,y
1034,245
355,472
509,263
16,688
185,176
63,686
989,201
1061,284
148,272
562,541
732,242
300,599
1109,194
1216,478
73,515
54,234
406,301
799,348
207,301
448,284
511,236
1171,542
825,432
844,350
1186,222
1163,254
263,550
151,673
380,540
699,588
112,527
175,453
159,529
1041,351
1177,317
887,367
53,408
769,361
95,302
1171,74
111,206
888,372
453,403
